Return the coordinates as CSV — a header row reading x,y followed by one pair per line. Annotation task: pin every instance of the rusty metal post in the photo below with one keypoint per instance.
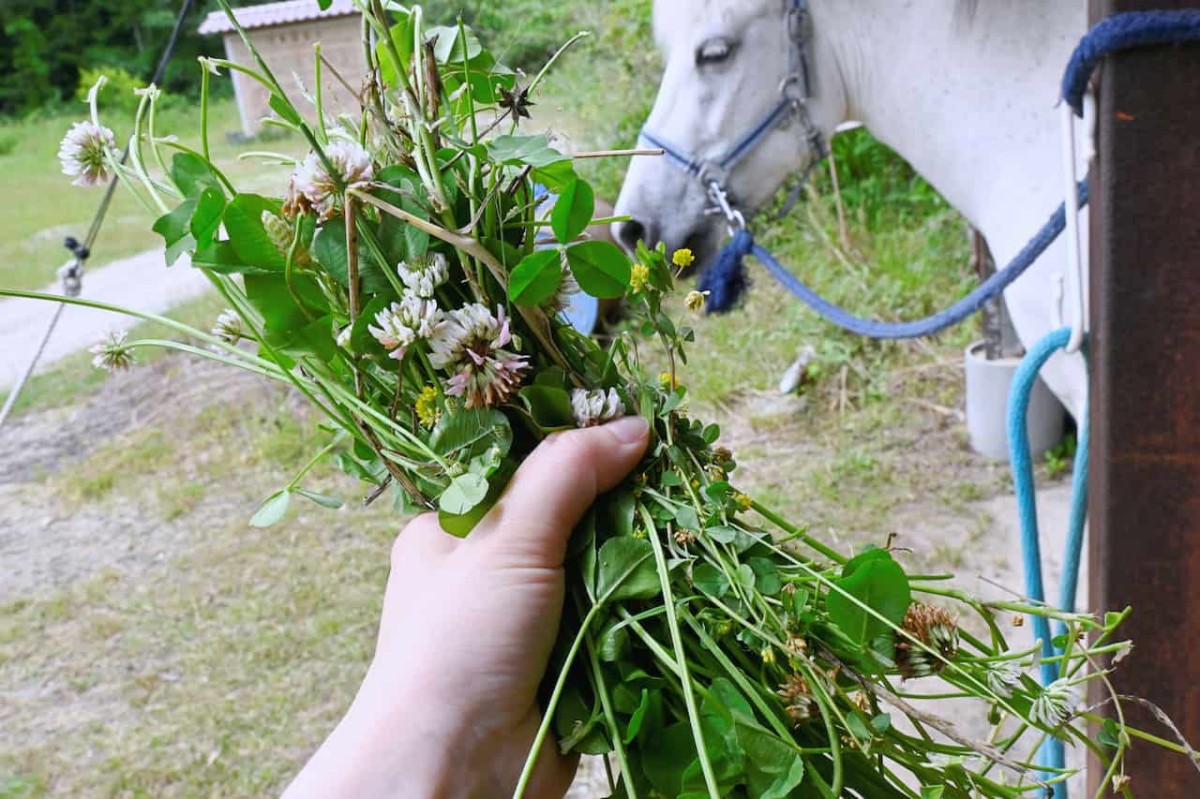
x,y
1145,386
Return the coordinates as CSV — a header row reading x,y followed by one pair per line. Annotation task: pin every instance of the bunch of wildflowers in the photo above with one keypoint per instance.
x,y
402,281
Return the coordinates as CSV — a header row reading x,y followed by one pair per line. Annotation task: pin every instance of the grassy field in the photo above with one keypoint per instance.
x,y
153,645
41,206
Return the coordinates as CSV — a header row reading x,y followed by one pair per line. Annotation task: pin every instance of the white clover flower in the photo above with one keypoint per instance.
x,y
424,276
404,322
112,354
313,187
343,337
85,151
596,407
470,342
1002,678
1054,705
228,326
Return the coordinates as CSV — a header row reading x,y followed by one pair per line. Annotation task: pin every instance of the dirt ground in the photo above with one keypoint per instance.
x,y
90,535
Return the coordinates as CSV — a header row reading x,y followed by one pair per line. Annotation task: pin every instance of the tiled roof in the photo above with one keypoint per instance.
x,y
272,14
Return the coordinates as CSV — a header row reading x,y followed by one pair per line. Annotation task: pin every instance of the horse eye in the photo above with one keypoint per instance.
x,y
713,51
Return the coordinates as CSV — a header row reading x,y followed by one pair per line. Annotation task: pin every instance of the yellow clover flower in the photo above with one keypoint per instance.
x,y
427,410
639,276
683,257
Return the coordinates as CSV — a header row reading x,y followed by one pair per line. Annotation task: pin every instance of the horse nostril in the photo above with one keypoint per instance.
x,y
630,233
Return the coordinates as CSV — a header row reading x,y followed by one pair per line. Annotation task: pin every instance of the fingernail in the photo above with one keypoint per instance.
x,y
629,429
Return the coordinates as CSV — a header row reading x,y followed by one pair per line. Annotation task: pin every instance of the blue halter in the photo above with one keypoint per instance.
x,y
794,95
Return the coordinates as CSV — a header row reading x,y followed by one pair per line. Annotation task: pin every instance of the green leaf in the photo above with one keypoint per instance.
x,y
175,228
470,432
869,554
271,295
686,518
451,46
550,407
600,268
625,570
572,211
766,576
324,500
858,727
879,584
402,40
613,643
556,176
724,699
409,195
283,107
663,763
787,782
329,248
710,580
272,509
933,791
206,219
650,705
1109,734
464,493
248,237
536,277
881,723
191,174
722,533
462,524
524,151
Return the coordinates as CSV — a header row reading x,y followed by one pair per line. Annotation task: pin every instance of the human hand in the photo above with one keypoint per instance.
x,y
448,707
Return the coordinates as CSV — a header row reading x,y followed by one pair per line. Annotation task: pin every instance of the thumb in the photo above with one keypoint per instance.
x,y
557,483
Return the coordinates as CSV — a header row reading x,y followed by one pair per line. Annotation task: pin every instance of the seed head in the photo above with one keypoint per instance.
x,y
694,301
683,537
935,629
797,698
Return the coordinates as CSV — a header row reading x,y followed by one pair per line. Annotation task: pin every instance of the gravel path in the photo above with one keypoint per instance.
x,y
141,283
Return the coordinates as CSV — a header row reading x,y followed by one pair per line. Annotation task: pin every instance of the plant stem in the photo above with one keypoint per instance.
x,y
689,696
548,712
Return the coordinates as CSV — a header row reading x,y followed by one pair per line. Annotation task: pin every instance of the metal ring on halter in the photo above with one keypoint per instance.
x,y
733,217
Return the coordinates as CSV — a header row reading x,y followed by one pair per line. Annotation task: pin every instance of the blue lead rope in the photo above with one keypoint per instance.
x,y
726,281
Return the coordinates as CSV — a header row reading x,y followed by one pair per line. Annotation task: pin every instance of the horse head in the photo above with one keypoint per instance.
x,y
738,108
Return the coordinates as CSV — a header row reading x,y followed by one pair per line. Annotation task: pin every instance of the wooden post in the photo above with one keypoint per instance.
x,y
1145,387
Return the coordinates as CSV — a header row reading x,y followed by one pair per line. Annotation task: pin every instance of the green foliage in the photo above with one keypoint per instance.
x,y
118,92
46,47
879,187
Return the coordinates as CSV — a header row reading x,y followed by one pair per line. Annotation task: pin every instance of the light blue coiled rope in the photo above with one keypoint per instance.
x,y
1052,753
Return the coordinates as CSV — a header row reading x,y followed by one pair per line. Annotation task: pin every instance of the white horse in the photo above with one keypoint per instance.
x,y
966,91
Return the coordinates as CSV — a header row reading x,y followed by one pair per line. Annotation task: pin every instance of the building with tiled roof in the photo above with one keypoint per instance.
x,y
284,35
